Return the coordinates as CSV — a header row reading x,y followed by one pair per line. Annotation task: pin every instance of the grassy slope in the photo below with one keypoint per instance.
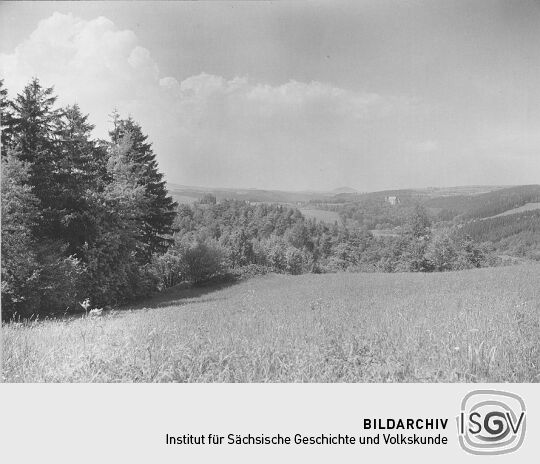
x,y
480,325
520,209
487,204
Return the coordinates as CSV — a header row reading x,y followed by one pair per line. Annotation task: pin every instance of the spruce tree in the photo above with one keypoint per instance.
x,y
114,272
20,268
35,121
158,218
35,126
81,170
6,119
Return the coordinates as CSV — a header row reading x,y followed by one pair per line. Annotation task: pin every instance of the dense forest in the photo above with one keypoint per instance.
x,y
486,204
373,211
514,234
81,218
243,237
91,219
517,233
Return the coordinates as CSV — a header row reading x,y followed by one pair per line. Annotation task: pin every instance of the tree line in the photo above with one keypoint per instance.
x,y
515,234
80,217
484,205
215,238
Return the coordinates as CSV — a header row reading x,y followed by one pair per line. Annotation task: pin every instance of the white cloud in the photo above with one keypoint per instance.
x,y
208,129
91,62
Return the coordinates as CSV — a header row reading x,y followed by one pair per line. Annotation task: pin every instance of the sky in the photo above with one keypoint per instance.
x,y
299,95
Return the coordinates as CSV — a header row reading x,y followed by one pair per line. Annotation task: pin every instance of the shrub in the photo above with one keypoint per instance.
x,y
442,252
58,283
295,261
168,268
202,261
239,248
275,249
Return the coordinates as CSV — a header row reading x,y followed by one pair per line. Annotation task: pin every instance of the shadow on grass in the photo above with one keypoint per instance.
x,y
180,295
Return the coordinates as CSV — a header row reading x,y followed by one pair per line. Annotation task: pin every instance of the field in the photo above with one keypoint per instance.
x,y
466,326
520,209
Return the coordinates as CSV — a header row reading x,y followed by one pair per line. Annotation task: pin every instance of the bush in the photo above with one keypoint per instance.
x,y
239,248
450,252
202,261
168,268
58,283
295,261
142,281
443,253
274,252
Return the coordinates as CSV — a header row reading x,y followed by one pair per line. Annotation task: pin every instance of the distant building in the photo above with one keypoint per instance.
x,y
392,200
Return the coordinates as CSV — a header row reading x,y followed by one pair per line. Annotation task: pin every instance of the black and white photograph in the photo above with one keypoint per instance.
x,y
270,192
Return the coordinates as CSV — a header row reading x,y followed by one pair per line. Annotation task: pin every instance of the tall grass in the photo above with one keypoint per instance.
x,y
466,326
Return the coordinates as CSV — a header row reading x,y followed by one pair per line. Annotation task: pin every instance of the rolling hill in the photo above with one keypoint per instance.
x,y
182,193
465,326
487,204
520,209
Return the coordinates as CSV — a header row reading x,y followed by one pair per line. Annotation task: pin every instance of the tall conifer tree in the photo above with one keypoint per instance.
x,y
36,125
158,218
6,119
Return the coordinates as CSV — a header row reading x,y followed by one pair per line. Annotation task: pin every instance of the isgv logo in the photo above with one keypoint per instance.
x,y
491,422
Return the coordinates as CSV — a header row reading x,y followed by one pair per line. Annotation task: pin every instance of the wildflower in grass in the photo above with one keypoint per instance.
x,y
85,305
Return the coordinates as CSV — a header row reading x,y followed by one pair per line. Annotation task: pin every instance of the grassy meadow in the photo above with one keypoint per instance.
x,y
519,209
466,326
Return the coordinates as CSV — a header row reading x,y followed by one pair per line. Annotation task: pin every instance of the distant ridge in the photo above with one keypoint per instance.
x,y
344,190
188,194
